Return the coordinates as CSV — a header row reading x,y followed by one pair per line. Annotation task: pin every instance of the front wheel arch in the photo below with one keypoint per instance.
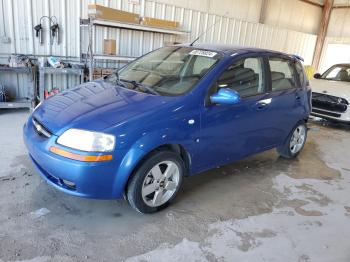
x,y
133,189
135,157
176,148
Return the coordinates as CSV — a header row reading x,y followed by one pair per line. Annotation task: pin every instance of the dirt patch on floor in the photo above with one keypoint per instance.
x,y
298,205
310,165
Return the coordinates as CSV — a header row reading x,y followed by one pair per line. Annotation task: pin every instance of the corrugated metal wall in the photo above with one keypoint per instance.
x,y
248,10
293,15
339,24
21,15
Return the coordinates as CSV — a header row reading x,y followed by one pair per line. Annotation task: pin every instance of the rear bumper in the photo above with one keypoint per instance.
x,y
91,180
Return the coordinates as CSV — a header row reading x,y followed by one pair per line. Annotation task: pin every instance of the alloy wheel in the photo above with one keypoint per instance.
x,y
160,183
297,139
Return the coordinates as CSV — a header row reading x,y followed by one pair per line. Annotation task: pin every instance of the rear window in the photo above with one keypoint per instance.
x,y
282,74
301,74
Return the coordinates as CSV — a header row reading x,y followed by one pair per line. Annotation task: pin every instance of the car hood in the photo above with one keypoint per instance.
x,y
334,88
95,106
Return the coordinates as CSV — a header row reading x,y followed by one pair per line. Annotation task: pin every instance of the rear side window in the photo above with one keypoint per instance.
x,y
244,76
282,74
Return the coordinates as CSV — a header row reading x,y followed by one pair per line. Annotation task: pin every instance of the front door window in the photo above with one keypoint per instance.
x,y
244,76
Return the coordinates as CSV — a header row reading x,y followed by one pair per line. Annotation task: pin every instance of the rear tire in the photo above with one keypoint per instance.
x,y
295,142
156,182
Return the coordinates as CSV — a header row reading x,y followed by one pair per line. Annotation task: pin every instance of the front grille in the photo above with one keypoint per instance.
x,y
314,110
328,102
40,129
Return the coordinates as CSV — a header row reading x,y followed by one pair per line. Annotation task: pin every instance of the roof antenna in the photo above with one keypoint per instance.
x,y
206,31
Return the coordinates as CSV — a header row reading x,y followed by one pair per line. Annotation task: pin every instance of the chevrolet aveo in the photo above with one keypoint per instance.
x,y
174,112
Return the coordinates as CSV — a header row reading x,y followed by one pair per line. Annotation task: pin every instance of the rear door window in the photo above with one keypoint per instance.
x,y
282,74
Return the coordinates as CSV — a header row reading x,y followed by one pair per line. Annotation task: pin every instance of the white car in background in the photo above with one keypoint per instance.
x,y
331,93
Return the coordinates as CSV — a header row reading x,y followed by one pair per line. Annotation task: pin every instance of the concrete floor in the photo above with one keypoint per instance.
x,y
259,209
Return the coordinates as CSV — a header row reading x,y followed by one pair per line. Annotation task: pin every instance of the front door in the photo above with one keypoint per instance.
x,y
230,132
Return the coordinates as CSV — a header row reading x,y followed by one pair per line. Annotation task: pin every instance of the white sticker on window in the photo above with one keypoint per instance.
x,y
203,53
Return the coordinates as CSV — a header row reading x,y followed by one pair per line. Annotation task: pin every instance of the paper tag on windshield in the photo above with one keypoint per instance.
x,y
203,53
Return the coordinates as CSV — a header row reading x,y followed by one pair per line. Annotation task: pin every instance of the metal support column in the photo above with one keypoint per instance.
x,y
91,53
326,14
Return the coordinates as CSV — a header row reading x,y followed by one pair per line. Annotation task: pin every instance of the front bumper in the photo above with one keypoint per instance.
x,y
330,107
91,180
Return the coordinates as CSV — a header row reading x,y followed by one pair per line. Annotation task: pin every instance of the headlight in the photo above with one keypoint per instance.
x,y
87,141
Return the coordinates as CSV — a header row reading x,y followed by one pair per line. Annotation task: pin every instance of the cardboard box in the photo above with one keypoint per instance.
x,y
96,76
160,23
109,46
106,13
97,71
107,71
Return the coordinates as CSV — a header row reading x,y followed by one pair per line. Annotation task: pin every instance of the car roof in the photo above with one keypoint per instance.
x,y
231,49
342,64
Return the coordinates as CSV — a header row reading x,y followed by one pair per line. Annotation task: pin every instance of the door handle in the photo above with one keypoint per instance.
x,y
262,104
298,98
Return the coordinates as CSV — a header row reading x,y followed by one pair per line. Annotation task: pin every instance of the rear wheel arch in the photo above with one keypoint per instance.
x,y
284,150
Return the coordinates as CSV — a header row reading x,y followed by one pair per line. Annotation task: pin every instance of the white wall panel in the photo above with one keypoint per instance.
x,y
26,14
294,15
248,10
238,26
339,24
341,2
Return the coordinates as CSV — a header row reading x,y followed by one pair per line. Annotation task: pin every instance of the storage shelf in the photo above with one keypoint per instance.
x,y
93,23
19,103
61,71
31,81
18,70
56,71
113,57
108,23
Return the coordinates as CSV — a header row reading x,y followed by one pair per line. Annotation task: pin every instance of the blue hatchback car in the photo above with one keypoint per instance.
x,y
174,112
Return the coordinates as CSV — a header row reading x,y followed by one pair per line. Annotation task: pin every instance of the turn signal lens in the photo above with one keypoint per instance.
x,y
83,158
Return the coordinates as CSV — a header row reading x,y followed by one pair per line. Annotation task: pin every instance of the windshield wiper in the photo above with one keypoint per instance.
x,y
119,82
138,84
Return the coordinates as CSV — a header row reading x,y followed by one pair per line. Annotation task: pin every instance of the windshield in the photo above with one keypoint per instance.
x,y
169,71
338,73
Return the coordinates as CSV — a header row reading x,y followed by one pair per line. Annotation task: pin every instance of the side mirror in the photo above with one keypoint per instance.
x,y
225,96
317,75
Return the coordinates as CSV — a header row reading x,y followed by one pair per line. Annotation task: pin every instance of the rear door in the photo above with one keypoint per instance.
x,y
287,93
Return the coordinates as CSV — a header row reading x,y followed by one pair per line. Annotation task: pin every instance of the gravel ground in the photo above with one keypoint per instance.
x,y
262,208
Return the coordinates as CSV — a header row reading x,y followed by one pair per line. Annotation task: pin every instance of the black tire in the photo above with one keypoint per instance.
x,y
285,150
136,182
